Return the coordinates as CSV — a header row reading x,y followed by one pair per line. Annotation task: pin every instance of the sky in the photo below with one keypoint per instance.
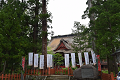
x,y
64,13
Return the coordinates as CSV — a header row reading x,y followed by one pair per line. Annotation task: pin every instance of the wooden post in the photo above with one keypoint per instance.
x,y
62,70
31,71
68,70
65,71
43,72
17,76
14,76
46,71
40,72
2,76
5,76
49,71
34,71
112,76
57,70
28,71
9,76
37,72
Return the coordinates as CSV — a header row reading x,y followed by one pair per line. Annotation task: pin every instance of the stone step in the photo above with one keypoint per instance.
x,y
57,77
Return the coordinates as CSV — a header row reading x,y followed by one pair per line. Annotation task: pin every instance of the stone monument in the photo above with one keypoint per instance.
x,y
86,72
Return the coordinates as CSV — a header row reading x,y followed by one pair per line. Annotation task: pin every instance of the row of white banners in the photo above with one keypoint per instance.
x,y
50,59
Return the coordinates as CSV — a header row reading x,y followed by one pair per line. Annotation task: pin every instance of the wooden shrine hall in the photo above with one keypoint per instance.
x,y
61,44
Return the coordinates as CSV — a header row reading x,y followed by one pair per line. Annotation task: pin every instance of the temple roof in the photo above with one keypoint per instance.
x,y
56,42
62,44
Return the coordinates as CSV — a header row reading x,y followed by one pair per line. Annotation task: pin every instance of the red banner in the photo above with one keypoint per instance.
x,y
23,62
99,64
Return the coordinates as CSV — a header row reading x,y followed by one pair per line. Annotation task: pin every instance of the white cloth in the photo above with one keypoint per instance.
x,y
73,60
30,58
86,58
80,59
66,60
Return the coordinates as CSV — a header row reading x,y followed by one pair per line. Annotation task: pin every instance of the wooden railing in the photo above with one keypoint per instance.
x,y
49,71
10,77
36,72
108,76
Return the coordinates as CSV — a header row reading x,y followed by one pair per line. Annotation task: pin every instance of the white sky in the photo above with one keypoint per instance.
x,y
64,13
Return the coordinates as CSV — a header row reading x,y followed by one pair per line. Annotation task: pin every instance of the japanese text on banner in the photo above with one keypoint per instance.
x,y
67,60
30,58
73,60
86,58
80,59
35,60
41,66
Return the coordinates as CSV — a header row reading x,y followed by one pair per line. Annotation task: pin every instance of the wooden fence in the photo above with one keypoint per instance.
x,y
10,77
50,71
36,72
108,76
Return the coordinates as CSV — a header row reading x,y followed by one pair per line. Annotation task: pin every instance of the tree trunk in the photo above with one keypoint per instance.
x,y
115,65
35,31
44,34
3,71
110,64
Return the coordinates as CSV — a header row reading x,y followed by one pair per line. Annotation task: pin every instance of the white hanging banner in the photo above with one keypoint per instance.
x,y
35,60
73,60
86,58
67,60
30,58
80,59
93,57
49,60
41,65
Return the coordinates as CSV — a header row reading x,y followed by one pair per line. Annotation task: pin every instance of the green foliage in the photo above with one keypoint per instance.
x,y
65,68
81,38
118,68
105,71
13,41
105,27
49,51
74,68
58,59
108,26
17,21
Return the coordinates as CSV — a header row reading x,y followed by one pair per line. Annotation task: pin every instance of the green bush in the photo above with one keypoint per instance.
x,y
58,59
65,68
105,71
74,68
118,68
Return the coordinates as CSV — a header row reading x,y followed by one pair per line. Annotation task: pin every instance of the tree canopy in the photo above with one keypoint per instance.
x,y
105,28
20,31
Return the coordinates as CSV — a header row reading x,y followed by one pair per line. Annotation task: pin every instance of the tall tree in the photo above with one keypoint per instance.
x,y
80,41
13,44
107,27
44,33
